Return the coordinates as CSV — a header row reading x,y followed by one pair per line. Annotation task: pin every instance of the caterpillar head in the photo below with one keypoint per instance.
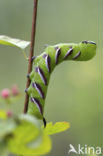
x,y
88,50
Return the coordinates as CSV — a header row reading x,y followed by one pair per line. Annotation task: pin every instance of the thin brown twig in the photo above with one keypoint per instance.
x,y
31,51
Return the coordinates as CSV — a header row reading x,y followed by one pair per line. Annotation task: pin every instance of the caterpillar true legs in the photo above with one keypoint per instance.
x,y
44,65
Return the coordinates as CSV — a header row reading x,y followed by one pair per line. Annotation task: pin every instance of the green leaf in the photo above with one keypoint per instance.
x,y
39,147
29,138
5,40
3,114
56,128
2,147
6,127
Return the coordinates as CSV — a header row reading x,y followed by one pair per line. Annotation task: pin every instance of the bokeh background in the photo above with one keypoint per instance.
x,y
75,92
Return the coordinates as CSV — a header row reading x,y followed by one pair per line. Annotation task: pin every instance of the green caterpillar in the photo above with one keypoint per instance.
x,y
44,65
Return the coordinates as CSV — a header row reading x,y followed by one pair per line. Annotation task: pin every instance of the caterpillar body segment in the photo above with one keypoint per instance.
x,y
44,64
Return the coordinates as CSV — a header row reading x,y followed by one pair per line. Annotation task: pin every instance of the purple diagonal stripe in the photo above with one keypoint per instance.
x,y
39,89
69,52
58,52
47,61
77,55
38,104
42,76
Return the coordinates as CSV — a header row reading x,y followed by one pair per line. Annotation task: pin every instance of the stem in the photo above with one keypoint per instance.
x,y
31,52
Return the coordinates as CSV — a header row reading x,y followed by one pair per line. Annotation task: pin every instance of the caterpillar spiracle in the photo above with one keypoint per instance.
x,y
44,64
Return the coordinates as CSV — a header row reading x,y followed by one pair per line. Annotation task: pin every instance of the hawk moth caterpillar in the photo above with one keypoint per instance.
x,y
44,64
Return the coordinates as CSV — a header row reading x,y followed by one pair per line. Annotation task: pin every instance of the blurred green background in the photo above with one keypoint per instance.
x,y
75,92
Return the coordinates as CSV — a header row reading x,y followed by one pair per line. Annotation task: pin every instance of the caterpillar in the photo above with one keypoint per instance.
x,y
44,64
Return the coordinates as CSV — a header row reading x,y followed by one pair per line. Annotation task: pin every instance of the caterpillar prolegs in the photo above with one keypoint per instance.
x,y
44,64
